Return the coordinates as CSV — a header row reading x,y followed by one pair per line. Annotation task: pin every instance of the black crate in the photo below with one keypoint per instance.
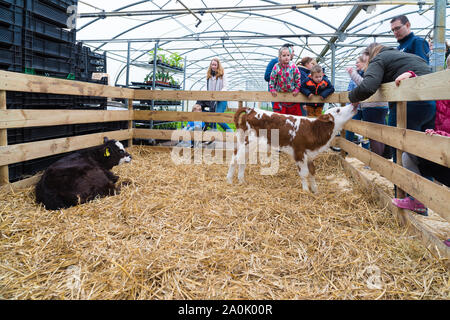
x,y
90,102
15,136
87,128
18,3
45,133
32,167
10,36
48,30
11,59
45,64
35,44
116,125
61,4
15,172
11,15
56,16
46,100
33,134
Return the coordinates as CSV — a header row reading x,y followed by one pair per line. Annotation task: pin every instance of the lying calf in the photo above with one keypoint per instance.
x,y
81,176
303,138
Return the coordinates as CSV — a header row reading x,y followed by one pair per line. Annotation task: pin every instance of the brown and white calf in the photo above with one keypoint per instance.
x,y
301,137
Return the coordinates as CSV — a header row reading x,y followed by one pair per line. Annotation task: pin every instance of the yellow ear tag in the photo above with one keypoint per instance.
x,y
107,154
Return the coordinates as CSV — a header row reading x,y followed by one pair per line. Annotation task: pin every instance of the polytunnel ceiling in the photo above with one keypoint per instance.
x,y
244,34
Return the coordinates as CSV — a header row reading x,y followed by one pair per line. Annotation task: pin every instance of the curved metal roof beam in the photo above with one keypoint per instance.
x,y
215,31
304,13
243,12
117,10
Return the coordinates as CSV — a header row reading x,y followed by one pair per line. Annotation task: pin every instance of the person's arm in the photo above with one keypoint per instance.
x,y
371,82
273,77
403,76
356,77
328,90
224,83
269,70
297,80
304,88
438,132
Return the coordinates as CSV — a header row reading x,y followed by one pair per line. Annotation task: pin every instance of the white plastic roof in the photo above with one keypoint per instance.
x,y
244,38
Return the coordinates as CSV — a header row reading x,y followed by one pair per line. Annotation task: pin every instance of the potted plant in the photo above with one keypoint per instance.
x,y
176,61
149,78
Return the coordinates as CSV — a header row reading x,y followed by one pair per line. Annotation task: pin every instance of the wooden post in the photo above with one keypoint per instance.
x,y
343,131
130,123
240,104
401,123
4,175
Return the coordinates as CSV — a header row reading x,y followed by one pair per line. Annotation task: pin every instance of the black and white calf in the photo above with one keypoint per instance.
x,y
81,176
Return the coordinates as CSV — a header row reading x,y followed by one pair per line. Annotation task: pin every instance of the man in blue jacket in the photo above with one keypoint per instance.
x,y
408,41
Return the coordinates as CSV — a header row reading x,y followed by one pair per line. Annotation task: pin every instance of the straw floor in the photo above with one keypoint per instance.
x,y
180,232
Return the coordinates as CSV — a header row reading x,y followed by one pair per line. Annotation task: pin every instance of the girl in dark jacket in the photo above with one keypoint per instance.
x,y
386,65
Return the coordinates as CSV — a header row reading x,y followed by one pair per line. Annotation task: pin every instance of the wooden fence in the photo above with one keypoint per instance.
x,y
434,86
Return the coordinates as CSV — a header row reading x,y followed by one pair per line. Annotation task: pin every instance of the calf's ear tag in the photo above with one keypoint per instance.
x,y
107,154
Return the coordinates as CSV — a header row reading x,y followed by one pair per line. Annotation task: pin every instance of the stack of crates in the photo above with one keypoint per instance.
x,y
85,66
11,25
35,39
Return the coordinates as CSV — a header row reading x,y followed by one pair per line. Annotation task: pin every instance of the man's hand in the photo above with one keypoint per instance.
x,y
274,94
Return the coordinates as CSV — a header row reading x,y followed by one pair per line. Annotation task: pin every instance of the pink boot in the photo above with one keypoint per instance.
x,y
412,204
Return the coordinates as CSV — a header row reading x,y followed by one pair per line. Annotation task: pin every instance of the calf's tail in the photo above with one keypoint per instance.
x,y
239,120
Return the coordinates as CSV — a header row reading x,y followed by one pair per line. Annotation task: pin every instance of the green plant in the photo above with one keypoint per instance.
x,y
176,60
149,77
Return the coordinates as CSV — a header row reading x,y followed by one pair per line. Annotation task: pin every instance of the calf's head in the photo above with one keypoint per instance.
x,y
341,115
114,153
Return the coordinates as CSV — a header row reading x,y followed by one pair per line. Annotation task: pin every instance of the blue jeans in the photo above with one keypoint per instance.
x,y
220,108
420,116
350,136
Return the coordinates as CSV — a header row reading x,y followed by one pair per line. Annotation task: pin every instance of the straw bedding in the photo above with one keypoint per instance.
x,y
180,232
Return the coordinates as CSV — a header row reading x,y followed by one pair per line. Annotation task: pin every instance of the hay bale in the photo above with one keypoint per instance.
x,y
181,232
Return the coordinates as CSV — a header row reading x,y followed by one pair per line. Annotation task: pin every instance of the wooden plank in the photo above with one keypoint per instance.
x,y
401,124
130,120
253,96
434,196
4,173
183,135
406,218
434,148
13,81
33,150
22,184
433,86
36,118
183,116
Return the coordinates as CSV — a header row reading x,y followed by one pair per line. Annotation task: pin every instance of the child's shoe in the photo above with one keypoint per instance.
x,y
412,204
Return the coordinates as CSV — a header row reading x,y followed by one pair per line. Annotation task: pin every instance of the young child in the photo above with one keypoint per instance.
x,y
316,84
191,126
285,77
195,125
